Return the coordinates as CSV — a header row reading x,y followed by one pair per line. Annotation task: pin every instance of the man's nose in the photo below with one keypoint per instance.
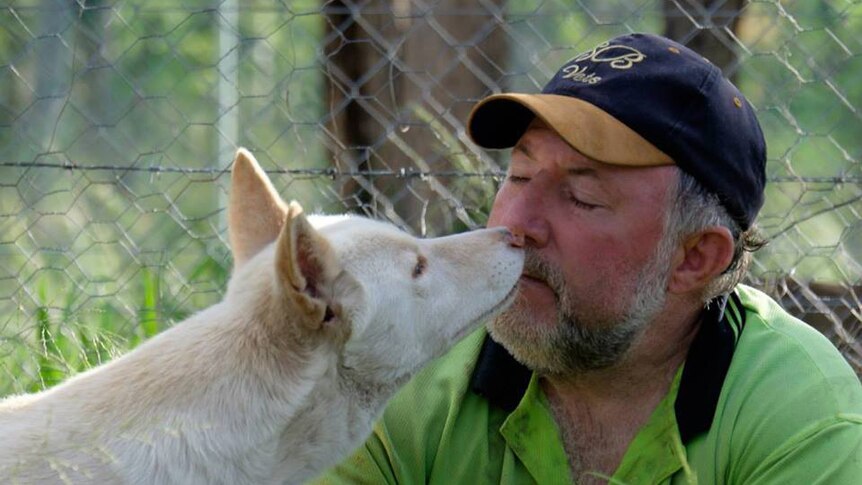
x,y
525,214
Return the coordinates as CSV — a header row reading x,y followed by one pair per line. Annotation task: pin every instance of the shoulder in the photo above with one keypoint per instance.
x,y
776,349
788,392
405,443
441,385
427,417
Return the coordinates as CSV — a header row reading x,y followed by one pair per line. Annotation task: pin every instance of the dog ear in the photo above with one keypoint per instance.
x,y
256,213
305,262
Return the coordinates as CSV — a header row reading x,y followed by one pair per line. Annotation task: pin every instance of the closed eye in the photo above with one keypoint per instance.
x,y
421,265
580,203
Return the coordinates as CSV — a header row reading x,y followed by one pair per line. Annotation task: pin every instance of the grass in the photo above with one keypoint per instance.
x,y
66,339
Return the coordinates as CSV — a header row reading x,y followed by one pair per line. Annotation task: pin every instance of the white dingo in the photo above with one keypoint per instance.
x,y
323,319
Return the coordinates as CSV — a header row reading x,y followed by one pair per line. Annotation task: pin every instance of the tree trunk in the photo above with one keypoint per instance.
x,y
708,27
401,81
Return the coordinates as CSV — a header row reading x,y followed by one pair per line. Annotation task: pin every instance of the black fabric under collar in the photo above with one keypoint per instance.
x,y
503,380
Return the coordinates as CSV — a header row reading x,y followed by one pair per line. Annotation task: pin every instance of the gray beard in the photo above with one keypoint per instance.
x,y
579,342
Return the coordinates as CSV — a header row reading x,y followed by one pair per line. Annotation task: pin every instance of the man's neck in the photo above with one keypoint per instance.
x,y
600,411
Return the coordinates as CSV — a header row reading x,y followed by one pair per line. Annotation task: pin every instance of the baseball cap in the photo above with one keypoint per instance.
x,y
644,100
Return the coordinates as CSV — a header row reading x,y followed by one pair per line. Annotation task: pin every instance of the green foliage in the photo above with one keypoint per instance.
x,y
50,359
67,340
149,325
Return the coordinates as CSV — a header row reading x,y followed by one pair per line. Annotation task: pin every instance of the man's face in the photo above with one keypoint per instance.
x,y
593,276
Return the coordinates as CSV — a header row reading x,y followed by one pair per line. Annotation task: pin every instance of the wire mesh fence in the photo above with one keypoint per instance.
x,y
118,122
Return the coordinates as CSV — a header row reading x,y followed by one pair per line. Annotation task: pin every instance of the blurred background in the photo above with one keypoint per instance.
x,y
119,120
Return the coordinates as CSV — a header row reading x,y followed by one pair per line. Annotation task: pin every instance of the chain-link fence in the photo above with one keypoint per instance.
x,y
118,122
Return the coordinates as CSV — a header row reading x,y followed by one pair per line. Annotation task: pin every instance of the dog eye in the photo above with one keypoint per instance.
x,y
421,264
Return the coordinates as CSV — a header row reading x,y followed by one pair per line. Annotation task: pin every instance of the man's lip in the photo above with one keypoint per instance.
x,y
531,279
536,287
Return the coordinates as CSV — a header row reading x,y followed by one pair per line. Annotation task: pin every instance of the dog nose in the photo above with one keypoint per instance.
x,y
514,238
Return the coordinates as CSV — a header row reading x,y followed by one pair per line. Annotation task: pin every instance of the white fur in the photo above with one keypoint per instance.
x,y
259,388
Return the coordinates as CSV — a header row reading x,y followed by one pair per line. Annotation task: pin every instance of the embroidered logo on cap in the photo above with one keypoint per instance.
x,y
616,56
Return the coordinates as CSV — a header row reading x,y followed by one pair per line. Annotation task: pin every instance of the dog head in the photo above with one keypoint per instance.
x,y
384,302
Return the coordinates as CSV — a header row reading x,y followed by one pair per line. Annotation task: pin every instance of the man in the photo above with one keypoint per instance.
x,y
632,353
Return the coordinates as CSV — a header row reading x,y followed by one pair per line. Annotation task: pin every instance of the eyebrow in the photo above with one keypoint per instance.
x,y
521,147
583,172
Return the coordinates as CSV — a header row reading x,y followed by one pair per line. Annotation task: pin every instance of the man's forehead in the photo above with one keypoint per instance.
x,y
573,161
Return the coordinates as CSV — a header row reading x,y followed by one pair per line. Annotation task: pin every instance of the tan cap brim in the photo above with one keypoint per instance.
x,y
498,121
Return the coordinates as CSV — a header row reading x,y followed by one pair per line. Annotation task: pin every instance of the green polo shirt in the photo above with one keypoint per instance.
x,y
762,398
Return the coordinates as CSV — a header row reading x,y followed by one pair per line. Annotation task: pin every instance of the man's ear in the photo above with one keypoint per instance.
x,y
255,212
305,262
702,257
